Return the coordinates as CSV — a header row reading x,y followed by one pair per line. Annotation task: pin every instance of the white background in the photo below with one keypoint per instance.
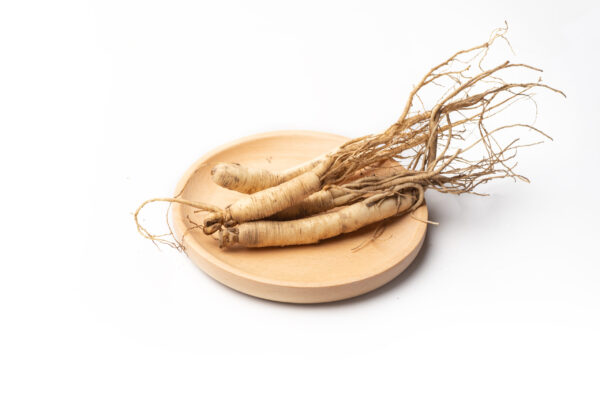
x,y
104,104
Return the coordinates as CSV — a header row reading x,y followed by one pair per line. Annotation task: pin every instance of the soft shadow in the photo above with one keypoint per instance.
x,y
394,285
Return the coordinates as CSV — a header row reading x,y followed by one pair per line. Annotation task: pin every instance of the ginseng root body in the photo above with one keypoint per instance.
x,y
249,180
443,145
268,201
311,230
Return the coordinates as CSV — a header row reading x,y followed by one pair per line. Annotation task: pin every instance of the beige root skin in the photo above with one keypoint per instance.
x,y
249,180
336,196
268,201
314,204
313,229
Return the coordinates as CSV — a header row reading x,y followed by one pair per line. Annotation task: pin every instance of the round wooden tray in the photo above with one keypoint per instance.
x,y
328,271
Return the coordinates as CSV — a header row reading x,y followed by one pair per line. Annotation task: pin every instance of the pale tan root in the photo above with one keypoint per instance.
x,y
268,201
420,139
316,203
335,196
313,229
249,180
471,99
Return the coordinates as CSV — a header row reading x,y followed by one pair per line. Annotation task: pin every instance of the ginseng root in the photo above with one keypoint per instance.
x,y
268,201
422,141
249,180
413,129
338,195
311,230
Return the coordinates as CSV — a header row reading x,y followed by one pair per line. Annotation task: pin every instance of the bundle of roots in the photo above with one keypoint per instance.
x,y
447,147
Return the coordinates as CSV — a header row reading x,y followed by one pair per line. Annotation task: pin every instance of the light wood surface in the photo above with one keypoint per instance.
x,y
323,272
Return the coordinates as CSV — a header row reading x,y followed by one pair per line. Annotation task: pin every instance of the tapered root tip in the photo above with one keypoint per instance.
x,y
227,175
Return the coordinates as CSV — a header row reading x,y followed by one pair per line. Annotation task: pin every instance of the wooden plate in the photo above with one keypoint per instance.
x,y
328,271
